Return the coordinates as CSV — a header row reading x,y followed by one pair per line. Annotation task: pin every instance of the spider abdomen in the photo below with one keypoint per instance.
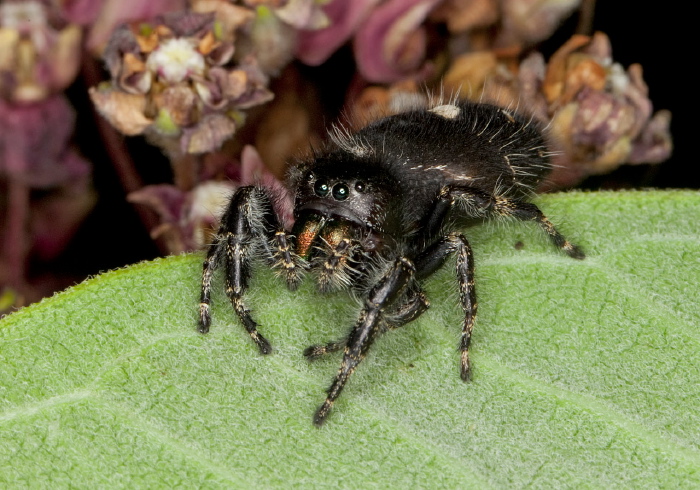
x,y
481,145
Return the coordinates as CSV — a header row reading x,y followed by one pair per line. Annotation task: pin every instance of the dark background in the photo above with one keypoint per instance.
x,y
113,235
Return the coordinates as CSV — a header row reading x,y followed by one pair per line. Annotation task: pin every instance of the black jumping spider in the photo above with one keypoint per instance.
x,y
377,212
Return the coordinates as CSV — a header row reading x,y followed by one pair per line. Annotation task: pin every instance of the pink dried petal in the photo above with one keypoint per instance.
x,y
203,209
165,199
601,120
390,45
221,54
599,47
122,42
315,47
123,111
255,172
636,93
208,135
256,92
83,12
185,23
34,143
211,88
654,144
530,79
57,217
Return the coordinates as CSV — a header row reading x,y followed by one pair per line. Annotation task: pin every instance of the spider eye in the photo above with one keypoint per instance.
x,y
360,186
340,192
321,188
309,176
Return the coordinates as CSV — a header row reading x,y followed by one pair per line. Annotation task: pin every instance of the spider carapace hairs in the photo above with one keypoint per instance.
x,y
378,211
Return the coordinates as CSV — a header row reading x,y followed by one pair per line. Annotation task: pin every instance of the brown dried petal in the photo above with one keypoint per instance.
x,y
531,21
134,78
124,111
302,14
179,102
470,71
464,15
583,72
147,42
555,78
206,44
211,132
232,17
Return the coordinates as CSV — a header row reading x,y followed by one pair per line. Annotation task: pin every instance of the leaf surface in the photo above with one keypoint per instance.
x,y
586,372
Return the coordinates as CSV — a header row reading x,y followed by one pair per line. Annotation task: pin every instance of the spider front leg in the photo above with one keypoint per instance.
x,y
368,327
248,226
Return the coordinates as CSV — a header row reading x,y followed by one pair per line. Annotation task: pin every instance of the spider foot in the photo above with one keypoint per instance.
x,y
322,413
313,352
204,318
261,342
465,367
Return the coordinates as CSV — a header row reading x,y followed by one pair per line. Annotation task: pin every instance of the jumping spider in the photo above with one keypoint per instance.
x,y
377,212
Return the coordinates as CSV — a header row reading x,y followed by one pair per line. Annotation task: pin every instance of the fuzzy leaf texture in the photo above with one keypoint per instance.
x,y
586,372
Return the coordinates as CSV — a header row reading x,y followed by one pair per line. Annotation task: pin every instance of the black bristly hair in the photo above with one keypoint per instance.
x,y
376,211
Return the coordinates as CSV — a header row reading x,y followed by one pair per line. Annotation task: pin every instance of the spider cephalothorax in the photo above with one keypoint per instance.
x,y
376,211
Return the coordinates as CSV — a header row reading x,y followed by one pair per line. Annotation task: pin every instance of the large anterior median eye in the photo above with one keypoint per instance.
x,y
321,188
340,192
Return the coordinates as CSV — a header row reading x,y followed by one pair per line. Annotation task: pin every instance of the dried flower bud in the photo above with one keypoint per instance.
x,y
599,114
39,53
188,219
175,81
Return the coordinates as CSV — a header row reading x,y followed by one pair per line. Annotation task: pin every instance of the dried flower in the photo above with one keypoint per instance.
x,y
188,218
39,58
599,114
510,23
39,53
388,37
175,80
344,17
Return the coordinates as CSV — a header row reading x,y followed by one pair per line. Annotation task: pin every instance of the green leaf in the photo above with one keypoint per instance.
x,y
586,372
